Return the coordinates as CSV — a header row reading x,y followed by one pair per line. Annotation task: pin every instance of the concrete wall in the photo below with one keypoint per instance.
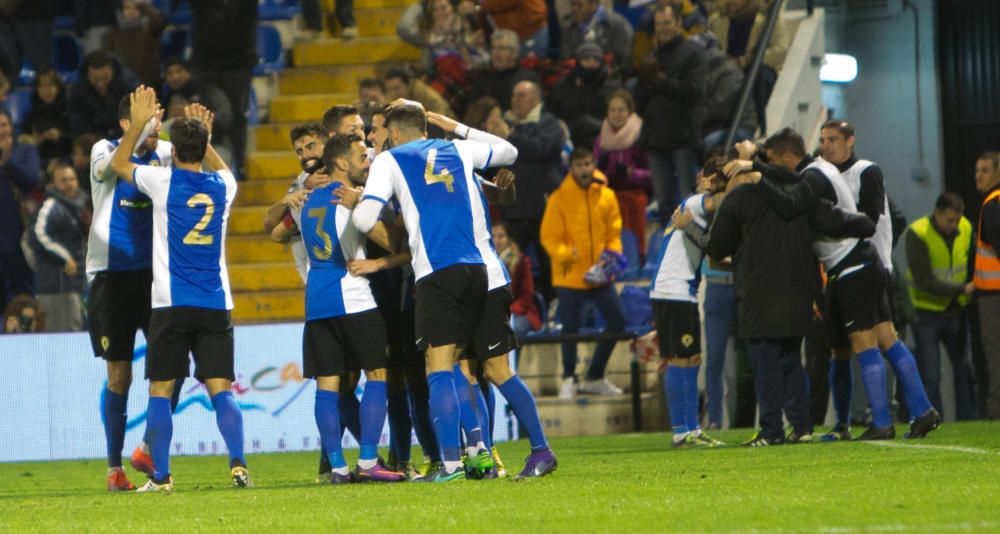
x,y
882,102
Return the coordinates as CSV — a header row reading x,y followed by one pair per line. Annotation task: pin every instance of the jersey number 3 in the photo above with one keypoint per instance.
x,y
327,250
195,237
444,177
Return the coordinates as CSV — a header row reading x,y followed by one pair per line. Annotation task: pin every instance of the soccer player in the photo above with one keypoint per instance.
x,y
434,184
191,297
343,330
867,185
119,267
673,292
793,184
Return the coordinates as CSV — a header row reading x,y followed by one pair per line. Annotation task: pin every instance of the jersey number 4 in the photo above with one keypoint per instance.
x,y
443,177
195,237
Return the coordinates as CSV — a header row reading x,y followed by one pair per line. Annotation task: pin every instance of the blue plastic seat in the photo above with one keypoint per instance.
x,y
253,112
19,105
270,54
181,15
277,9
652,254
175,41
67,55
630,249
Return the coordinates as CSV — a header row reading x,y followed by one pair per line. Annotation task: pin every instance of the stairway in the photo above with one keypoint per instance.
x,y
266,287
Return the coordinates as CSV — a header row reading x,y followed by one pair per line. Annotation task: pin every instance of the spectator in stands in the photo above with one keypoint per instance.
x,y
580,99
399,83
485,114
23,314
19,169
48,120
180,81
668,96
739,27
4,89
497,80
93,19
937,255
224,53
528,19
312,13
539,138
455,44
723,83
371,97
590,22
987,274
619,157
93,98
582,222
26,32
136,40
524,312
80,158
56,249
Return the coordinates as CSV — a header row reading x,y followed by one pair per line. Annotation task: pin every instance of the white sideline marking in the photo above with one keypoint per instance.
x,y
952,448
893,527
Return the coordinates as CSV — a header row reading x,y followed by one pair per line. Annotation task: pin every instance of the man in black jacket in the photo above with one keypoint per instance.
x,y
776,279
224,53
669,99
179,80
92,102
539,138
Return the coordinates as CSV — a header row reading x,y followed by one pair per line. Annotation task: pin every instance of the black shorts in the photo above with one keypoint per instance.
x,y
494,336
179,330
335,345
678,328
449,305
856,302
400,334
118,305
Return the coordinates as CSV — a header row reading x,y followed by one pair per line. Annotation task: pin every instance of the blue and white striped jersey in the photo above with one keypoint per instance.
x,y
190,212
678,269
496,271
121,235
331,240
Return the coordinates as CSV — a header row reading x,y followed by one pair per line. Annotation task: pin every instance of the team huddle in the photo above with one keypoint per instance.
x,y
401,277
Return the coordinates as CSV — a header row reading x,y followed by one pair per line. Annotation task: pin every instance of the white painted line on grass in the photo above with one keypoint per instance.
x,y
952,448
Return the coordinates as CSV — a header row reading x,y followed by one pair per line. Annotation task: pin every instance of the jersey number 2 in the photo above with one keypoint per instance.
x,y
327,250
195,237
443,177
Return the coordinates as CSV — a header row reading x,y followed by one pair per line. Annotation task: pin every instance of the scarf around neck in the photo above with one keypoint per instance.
x,y
624,138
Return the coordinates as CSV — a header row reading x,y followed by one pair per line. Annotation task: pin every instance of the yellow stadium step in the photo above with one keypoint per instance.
x,y
368,4
273,137
301,108
268,306
361,51
261,192
273,165
311,80
245,220
378,22
255,249
264,276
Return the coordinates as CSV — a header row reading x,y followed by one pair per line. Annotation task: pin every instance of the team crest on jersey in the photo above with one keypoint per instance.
x,y
687,340
154,163
105,342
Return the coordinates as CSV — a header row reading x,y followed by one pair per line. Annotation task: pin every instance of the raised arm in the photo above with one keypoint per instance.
x,y
502,152
144,108
212,162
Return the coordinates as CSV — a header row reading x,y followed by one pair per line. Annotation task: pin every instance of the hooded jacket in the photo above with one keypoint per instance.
x,y
578,225
58,234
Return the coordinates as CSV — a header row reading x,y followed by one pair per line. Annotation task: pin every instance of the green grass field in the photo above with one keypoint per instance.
x,y
627,483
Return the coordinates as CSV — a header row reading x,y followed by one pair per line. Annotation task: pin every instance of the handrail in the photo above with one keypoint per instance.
x,y
772,19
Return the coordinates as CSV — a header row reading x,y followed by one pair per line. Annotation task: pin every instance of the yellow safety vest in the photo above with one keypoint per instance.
x,y
951,265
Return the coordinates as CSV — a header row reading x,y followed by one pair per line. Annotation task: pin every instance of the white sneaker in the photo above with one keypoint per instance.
x,y
600,387
153,487
568,389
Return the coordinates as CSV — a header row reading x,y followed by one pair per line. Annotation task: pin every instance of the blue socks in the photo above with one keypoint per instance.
x,y
350,419
400,426
328,423
691,397
905,367
444,413
841,384
522,403
421,418
174,398
484,416
230,421
160,429
113,408
674,389
469,409
491,410
372,415
874,376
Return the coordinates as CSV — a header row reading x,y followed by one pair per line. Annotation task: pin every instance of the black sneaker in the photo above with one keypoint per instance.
x,y
795,437
874,433
924,424
759,441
